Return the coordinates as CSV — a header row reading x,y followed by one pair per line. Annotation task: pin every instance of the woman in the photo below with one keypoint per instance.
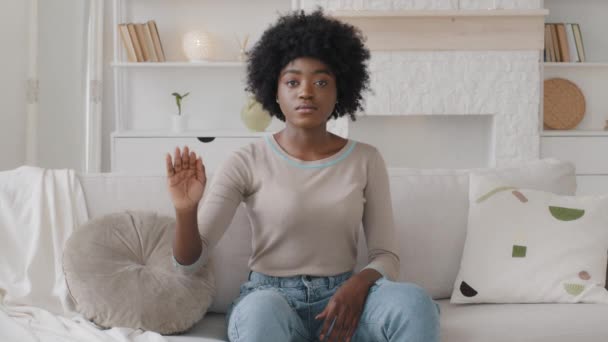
x,y
307,191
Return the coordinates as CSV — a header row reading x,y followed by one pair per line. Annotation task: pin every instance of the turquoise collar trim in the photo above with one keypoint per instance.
x,y
301,165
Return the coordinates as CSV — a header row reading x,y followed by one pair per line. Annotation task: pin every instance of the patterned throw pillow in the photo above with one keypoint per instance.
x,y
528,246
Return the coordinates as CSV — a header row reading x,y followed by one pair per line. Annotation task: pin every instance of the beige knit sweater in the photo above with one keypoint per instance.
x,y
305,215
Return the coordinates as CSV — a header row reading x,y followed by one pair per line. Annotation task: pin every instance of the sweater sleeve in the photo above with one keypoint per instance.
x,y
228,186
378,220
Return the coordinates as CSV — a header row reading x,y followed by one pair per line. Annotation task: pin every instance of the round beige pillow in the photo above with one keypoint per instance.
x,y
120,273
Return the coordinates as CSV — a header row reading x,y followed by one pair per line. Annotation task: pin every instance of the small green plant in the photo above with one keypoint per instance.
x,y
178,100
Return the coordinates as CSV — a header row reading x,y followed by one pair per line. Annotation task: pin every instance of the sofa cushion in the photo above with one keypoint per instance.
x,y
212,328
119,271
523,322
529,246
478,323
431,207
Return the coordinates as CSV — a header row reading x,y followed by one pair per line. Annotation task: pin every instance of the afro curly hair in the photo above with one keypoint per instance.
x,y
338,45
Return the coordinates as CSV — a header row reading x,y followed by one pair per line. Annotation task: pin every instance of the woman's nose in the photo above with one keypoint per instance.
x,y
305,90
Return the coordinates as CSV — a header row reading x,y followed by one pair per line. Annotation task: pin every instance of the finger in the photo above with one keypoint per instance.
x,y
200,171
169,165
323,314
326,324
186,158
349,327
333,329
345,327
192,161
339,329
352,327
322,332
177,160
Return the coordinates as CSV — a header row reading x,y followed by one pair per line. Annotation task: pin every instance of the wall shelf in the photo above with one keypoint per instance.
x,y
574,133
576,65
442,30
219,64
188,134
439,13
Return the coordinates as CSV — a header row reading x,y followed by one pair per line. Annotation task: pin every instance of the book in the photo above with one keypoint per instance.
x,y
553,47
571,44
123,30
555,41
547,42
564,50
149,44
578,39
141,36
549,51
158,47
135,40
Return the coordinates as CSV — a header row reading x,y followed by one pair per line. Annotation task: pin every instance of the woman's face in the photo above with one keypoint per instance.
x,y
306,92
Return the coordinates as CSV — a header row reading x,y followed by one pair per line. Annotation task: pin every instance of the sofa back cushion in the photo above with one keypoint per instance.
x,y
430,208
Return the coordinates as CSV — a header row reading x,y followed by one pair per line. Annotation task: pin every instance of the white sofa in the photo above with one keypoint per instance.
x,y
431,208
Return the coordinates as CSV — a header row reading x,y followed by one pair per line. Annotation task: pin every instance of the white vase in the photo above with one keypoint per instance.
x,y
179,123
254,116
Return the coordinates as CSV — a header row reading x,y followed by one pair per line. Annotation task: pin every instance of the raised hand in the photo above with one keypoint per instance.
x,y
186,179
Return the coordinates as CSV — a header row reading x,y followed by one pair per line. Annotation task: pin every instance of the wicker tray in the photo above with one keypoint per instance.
x,y
564,104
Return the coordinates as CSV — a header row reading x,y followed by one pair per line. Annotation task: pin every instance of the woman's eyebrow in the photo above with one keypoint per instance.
x,y
298,72
323,71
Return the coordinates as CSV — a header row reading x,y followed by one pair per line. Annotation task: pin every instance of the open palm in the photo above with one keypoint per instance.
x,y
186,179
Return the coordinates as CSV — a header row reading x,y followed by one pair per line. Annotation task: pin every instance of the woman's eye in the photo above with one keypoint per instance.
x,y
294,83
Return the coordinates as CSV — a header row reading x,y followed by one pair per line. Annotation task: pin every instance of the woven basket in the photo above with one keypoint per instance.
x,y
564,104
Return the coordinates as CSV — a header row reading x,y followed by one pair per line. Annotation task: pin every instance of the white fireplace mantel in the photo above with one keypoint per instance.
x,y
450,61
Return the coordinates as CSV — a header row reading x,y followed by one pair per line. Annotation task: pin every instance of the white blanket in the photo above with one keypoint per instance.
x,y
39,209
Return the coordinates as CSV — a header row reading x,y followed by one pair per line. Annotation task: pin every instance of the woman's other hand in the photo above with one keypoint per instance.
x,y
186,179
345,307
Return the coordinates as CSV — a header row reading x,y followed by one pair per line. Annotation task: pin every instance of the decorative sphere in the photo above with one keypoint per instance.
x,y
196,45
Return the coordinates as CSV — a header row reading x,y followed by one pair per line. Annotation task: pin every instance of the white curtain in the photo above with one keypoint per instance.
x,y
64,84
31,120
94,92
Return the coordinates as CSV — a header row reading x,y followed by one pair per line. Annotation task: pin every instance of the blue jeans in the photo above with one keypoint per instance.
x,y
283,309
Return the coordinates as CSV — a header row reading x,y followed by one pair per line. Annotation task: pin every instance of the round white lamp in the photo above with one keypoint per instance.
x,y
196,45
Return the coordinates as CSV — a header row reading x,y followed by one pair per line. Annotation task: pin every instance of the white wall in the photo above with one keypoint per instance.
x,y
13,63
428,141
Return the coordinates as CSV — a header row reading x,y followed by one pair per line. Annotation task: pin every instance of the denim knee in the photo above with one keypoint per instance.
x,y
398,312
411,302
264,315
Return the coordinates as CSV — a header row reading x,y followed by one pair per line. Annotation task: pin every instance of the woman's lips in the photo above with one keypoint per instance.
x,y
306,109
